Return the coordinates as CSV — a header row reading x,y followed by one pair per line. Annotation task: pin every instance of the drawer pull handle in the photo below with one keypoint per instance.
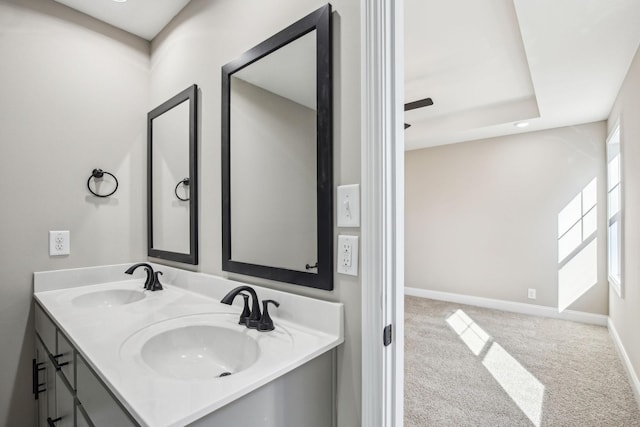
x,y
35,387
52,422
55,361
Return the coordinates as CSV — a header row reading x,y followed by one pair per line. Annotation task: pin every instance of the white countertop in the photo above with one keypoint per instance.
x,y
105,336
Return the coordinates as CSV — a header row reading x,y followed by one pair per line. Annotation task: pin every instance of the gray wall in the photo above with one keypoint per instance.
x,y
208,34
482,218
625,312
73,97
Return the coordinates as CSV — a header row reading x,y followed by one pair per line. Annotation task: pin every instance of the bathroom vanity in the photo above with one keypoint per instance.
x,y
110,353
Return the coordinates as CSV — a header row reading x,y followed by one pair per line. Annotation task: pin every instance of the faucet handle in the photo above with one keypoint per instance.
x,y
266,324
246,312
156,285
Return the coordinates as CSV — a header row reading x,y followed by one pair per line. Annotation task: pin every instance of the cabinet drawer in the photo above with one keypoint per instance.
x,y
65,358
46,329
100,406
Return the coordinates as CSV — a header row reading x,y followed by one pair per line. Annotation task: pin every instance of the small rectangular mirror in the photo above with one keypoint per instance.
x,y
172,179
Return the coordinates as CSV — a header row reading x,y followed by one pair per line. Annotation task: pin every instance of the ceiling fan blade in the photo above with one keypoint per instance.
x,y
418,104
407,125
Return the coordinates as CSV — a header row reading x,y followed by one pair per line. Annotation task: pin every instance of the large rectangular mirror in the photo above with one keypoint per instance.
x,y
277,157
172,179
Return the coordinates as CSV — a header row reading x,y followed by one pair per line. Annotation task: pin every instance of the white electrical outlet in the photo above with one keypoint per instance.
x,y
531,293
348,255
59,243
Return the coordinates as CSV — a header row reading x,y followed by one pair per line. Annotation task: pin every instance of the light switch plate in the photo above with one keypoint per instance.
x,y
59,243
348,205
348,255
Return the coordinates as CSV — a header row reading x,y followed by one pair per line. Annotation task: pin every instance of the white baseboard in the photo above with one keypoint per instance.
x,y
626,361
515,307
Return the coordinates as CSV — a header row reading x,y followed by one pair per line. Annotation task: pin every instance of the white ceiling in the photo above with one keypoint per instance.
x,y
489,63
485,63
144,18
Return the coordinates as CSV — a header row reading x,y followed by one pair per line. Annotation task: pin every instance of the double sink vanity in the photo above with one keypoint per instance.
x,y
112,353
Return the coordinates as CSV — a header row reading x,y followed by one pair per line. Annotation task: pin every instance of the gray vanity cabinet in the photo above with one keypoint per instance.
x,y
71,395
44,382
81,419
64,404
66,359
101,407
54,392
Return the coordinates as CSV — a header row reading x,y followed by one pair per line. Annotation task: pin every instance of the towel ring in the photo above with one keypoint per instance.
x,y
98,174
184,182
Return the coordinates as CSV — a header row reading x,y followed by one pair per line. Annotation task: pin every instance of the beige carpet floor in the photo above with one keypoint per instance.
x,y
470,366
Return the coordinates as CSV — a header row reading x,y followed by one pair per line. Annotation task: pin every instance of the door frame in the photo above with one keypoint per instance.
x,y
382,177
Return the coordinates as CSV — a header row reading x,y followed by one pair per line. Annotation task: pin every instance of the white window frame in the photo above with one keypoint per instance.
x,y
614,282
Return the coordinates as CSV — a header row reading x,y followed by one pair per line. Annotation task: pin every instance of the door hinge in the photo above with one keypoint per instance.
x,y
387,335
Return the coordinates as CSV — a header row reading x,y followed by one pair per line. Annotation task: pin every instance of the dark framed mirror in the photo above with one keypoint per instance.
x,y
172,179
277,154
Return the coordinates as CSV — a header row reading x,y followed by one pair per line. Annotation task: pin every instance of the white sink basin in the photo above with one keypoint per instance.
x,y
203,347
200,352
108,298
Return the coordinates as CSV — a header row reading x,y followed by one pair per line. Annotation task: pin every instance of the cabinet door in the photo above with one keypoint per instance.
x,y
100,406
81,418
45,382
64,404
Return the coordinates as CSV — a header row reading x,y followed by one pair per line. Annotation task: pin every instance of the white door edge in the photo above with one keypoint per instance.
x,y
382,192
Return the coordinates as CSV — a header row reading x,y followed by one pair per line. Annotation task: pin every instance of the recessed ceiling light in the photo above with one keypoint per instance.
x,y
521,124
120,1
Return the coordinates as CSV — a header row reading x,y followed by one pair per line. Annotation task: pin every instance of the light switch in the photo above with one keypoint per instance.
x,y
348,205
348,255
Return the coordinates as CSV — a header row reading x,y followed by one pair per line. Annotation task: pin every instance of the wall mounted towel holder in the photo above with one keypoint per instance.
x,y
99,174
186,183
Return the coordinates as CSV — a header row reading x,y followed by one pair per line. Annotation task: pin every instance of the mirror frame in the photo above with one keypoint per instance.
x,y
191,95
319,20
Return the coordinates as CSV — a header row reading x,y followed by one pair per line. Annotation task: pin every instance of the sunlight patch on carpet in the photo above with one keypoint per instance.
x,y
521,386
471,334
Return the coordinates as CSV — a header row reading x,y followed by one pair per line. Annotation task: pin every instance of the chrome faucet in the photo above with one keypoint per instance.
x,y
152,282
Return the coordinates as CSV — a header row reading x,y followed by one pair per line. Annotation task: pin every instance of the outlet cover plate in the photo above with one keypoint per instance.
x,y
348,255
59,243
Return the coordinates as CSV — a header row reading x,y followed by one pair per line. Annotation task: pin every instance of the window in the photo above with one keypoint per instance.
x,y
614,210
